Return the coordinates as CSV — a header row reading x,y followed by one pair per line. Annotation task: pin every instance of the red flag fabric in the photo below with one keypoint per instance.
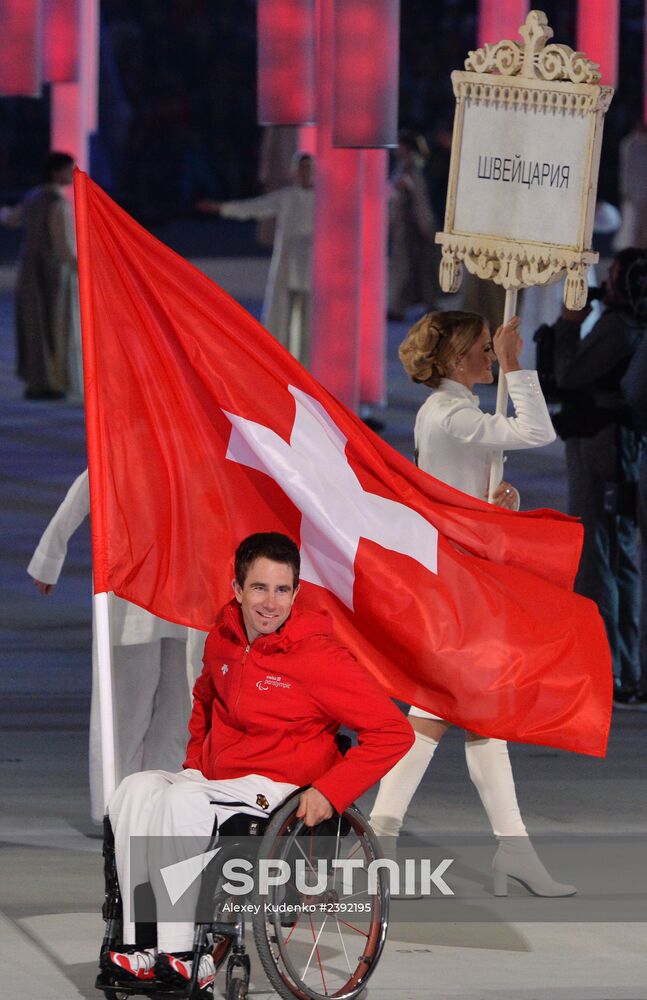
x,y
202,429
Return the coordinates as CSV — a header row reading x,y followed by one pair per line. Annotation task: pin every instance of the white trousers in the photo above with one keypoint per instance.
x,y
159,804
152,704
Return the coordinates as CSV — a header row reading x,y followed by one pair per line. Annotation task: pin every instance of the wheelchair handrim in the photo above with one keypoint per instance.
x,y
375,936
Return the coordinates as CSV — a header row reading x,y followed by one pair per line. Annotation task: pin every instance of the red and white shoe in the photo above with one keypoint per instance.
x,y
135,962
182,965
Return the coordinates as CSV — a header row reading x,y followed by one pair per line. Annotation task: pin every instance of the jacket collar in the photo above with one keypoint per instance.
x,y
457,389
300,625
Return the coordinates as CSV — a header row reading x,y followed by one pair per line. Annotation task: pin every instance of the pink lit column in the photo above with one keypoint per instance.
x,y
286,32
65,125
367,35
286,44
337,240
500,19
645,64
74,103
307,141
598,34
373,283
20,48
60,40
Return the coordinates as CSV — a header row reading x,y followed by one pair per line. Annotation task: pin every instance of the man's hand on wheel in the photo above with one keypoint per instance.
x,y
314,807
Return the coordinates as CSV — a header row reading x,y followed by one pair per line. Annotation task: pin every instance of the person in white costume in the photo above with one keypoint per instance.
x,y
456,442
286,306
154,667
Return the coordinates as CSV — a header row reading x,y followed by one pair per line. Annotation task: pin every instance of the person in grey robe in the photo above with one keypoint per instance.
x,y
48,345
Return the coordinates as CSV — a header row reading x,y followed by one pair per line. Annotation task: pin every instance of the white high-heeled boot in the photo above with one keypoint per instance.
x,y
516,858
488,763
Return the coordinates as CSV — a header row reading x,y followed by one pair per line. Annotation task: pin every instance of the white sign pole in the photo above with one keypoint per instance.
x,y
509,310
104,663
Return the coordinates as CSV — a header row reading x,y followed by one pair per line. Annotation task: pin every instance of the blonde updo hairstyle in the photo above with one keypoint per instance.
x,y
436,342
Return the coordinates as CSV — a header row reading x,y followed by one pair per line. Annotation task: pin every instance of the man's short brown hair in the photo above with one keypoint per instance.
x,y
266,545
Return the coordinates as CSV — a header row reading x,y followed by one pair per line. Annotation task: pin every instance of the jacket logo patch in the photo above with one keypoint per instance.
x,y
272,680
224,668
262,802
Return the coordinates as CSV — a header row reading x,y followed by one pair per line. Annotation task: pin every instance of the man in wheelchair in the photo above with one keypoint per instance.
x,y
274,690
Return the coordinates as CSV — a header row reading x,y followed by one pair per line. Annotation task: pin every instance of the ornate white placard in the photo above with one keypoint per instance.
x,y
524,164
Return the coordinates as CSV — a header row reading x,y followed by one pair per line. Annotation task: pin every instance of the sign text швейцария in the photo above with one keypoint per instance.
x,y
515,170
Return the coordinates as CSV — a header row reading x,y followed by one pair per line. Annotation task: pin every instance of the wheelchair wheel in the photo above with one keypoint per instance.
x,y
321,940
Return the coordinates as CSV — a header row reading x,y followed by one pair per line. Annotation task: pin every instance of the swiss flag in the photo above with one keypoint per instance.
x,y
202,429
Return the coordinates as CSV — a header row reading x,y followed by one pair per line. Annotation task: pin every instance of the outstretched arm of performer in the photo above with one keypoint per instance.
x,y
209,206
48,559
266,206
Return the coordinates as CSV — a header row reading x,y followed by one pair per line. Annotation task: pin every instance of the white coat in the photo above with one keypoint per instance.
x,y
154,667
456,441
290,271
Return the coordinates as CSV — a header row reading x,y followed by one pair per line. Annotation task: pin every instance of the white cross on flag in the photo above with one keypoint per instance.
x,y
202,429
315,474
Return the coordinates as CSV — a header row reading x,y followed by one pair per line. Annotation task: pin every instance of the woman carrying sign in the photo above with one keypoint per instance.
x,y
451,352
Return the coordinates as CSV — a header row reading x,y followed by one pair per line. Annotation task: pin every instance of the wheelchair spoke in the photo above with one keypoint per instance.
x,y
353,928
293,928
308,860
355,895
315,948
343,944
356,849
338,838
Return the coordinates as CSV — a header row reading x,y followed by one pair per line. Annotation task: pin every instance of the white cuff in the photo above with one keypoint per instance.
x,y
45,568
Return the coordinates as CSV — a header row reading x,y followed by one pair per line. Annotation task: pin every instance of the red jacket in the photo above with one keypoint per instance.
x,y
274,707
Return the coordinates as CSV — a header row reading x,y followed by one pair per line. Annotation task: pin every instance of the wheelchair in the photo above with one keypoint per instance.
x,y
314,940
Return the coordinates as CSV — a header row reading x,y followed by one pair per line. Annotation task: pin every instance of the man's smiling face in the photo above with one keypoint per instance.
x,y
266,597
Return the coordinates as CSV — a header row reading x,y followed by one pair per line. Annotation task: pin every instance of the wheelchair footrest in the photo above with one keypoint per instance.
x,y
154,988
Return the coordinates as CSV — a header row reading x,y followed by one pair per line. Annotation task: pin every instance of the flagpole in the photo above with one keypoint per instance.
x,y
509,310
104,663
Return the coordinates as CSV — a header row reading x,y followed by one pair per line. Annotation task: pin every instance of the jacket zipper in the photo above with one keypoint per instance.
x,y
240,688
